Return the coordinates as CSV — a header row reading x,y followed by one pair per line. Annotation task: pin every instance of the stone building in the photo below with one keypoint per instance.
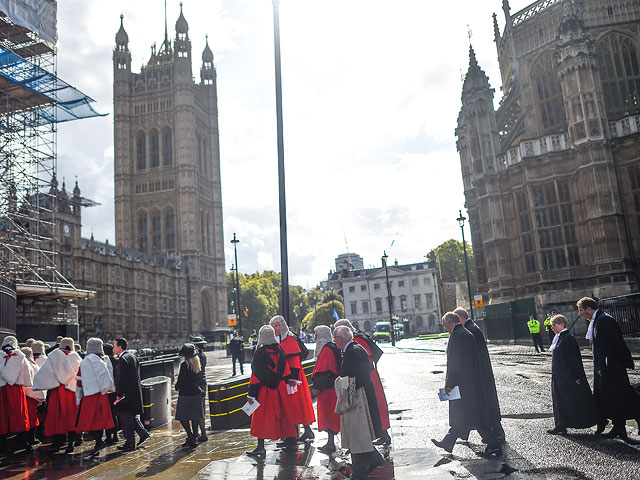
x,y
552,177
141,296
414,297
167,167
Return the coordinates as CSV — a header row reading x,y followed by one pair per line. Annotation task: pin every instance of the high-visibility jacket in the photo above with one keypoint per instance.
x,y
534,325
547,324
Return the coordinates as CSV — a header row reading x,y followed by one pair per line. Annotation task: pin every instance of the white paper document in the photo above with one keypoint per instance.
x,y
249,408
453,395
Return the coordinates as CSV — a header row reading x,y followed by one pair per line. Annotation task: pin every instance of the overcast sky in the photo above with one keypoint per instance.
x,y
371,95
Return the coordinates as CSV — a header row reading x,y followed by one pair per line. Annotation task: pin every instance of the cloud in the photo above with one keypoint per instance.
x,y
371,93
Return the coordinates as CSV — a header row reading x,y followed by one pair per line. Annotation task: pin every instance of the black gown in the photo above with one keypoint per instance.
x,y
127,380
573,403
491,406
615,399
355,363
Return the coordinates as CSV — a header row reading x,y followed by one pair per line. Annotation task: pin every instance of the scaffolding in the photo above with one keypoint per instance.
x,y
33,100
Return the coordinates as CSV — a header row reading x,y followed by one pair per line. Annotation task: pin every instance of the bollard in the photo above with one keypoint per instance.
x,y
156,401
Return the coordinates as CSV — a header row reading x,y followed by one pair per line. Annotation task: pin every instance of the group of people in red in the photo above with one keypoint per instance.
x,y
280,388
57,394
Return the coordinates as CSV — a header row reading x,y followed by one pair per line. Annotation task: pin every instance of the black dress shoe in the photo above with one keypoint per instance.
x,y
600,428
143,438
491,451
100,444
384,439
291,445
328,448
442,445
617,432
557,431
307,436
258,453
125,447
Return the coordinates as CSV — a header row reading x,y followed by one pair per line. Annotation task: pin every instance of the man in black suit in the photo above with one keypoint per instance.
x,y
615,399
491,406
465,413
129,395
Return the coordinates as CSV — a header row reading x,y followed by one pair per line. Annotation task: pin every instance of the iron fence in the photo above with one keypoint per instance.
x,y
626,310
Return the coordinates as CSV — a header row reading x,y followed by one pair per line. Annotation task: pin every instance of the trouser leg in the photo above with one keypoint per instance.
x,y
498,431
127,423
450,438
359,466
490,437
139,428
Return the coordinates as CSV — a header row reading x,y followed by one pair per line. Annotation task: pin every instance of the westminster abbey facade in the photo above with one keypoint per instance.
x,y
552,177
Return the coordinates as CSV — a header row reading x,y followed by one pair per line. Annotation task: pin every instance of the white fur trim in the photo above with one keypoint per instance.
x,y
41,359
96,375
29,391
59,368
16,370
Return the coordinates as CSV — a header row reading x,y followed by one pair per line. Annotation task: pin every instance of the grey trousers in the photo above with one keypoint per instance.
x,y
131,423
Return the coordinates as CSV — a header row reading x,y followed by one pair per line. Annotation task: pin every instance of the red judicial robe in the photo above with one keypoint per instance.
x,y
62,411
300,404
14,399
325,372
94,412
267,386
377,383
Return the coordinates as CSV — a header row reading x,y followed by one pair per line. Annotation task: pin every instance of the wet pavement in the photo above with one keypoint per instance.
x,y
412,372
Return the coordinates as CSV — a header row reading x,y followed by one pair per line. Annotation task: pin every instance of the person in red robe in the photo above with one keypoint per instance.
x,y
34,398
299,403
94,383
375,352
267,386
325,372
15,376
58,375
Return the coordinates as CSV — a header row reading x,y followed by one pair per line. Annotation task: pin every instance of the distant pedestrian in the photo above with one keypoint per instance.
x,y
200,343
55,346
268,386
299,402
58,376
112,434
236,347
15,375
35,398
356,403
326,370
547,326
465,413
534,330
129,396
573,403
615,399
491,406
190,387
95,381
374,352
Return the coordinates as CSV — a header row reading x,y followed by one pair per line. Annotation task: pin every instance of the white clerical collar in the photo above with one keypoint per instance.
x,y
593,317
347,344
278,338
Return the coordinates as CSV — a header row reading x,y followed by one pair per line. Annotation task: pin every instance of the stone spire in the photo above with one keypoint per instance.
x,y
122,39
475,79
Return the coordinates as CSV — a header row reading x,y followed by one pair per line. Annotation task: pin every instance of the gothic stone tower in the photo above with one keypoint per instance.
x,y
167,166
552,177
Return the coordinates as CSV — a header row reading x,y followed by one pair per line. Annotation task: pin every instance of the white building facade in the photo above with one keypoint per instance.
x,y
413,292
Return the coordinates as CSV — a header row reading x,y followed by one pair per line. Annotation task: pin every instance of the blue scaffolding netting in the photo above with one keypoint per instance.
x,y
62,103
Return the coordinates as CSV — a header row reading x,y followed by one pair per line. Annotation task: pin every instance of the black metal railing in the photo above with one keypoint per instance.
x,y
626,310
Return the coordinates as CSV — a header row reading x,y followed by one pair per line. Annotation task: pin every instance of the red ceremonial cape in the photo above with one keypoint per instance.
x,y
377,385
324,374
270,420
94,412
300,404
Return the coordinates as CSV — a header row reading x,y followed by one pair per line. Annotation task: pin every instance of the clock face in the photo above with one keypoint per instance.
x,y
66,229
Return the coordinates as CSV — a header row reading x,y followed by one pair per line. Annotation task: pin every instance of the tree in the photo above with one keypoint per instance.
x,y
323,315
450,258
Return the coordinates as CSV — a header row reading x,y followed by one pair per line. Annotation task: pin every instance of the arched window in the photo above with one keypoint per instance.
x,y
620,74
170,228
156,232
155,149
203,240
549,93
141,150
167,147
142,232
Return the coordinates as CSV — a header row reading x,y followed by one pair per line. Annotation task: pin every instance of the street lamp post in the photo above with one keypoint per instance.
x,y
284,257
235,242
461,221
386,272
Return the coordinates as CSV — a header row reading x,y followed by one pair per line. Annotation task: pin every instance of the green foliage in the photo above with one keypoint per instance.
x,y
323,315
450,256
260,294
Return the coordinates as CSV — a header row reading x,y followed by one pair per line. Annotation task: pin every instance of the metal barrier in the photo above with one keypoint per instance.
x,y
507,321
156,401
227,398
164,366
626,310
